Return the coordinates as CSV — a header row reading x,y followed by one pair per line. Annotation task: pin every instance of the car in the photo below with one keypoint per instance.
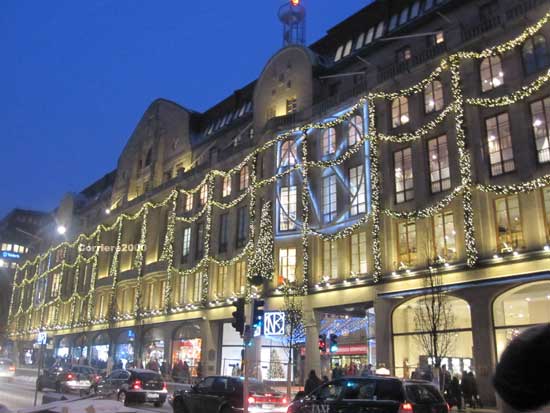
x,y
64,379
135,386
86,371
380,394
224,394
7,368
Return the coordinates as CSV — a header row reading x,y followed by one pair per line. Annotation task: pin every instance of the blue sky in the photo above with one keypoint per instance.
x,y
78,74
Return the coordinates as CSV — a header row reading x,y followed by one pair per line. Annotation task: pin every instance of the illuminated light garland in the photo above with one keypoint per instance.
x,y
207,234
417,88
231,204
513,189
113,271
140,261
305,215
428,211
193,218
262,262
375,192
343,233
344,156
168,253
252,188
264,182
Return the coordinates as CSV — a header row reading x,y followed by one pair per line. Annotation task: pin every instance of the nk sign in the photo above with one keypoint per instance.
x,y
274,323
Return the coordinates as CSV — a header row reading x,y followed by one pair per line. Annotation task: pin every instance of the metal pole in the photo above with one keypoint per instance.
x,y
245,381
40,362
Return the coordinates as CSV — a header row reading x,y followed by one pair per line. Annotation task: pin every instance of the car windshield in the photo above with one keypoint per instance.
x,y
423,393
362,390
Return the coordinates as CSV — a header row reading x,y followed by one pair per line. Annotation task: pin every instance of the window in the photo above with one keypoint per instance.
x,y
370,35
56,284
223,232
218,290
188,202
406,243
546,202
444,235
242,226
288,154
433,97
182,290
162,296
499,143
291,105
437,38
393,22
360,39
403,172
338,55
535,54
508,217
226,189
358,243
330,260
491,72
540,119
287,208
440,174
287,265
347,49
240,277
400,111
203,194
357,190
404,16
415,8
186,245
379,30
243,178
270,113
329,198
197,287
199,241
355,130
403,55
328,141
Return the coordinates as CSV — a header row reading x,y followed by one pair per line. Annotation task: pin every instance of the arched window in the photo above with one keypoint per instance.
x,y
520,308
287,154
491,73
535,54
347,49
433,97
355,130
328,142
400,111
409,334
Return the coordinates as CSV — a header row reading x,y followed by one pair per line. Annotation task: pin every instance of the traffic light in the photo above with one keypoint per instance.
x,y
323,343
238,316
333,343
258,314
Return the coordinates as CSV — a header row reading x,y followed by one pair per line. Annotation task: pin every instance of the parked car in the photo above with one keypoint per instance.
x,y
135,386
64,379
7,368
86,371
380,394
223,394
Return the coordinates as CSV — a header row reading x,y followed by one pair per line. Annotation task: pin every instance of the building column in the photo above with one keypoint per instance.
x,y
384,346
313,357
211,349
168,341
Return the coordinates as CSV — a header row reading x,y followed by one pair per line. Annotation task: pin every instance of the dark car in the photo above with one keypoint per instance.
x,y
135,386
7,368
380,394
64,379
223,394
86,371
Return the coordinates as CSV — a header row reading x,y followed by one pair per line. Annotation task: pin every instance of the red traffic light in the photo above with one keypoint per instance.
x,y
295,2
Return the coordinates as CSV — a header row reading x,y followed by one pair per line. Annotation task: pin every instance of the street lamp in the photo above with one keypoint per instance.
x,y
61,229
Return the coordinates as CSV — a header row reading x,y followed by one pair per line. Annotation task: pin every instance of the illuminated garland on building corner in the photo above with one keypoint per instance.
x,y
375,192
262,262
205,278
140,261
167,254
252,189
305,215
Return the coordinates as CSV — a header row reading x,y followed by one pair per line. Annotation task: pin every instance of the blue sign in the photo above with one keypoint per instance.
x,y
8,254
42,337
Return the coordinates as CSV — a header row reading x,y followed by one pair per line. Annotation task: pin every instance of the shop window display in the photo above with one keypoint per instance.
x,y
100,351
124,350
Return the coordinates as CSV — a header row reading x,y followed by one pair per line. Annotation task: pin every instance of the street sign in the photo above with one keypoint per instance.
x,y
42,337
274,323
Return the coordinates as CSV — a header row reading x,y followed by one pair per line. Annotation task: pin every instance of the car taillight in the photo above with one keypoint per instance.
x,y
69,376
448,407
98,378
251,400
163,385
285,401
11,368
406,408
136,385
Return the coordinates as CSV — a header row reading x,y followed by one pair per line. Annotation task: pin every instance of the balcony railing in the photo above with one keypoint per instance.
x,y
481,26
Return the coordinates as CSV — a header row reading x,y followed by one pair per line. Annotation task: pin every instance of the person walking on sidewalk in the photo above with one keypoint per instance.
x,y
312,382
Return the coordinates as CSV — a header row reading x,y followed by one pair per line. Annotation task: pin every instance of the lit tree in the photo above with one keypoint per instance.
x,y
262,264
275,369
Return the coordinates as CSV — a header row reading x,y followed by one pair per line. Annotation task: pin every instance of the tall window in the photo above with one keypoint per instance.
x,y
287,208
203,194
288,154
56,284
199,241
162,296
355,130
403,55
491,72
357,190
242,226
186,245
440,174
406,243
188,202
433,97
243,178
287,265
329,198
182,289
358,243
508,217
403,172
540,119
444,235
218,287
328,141
535,54
330,259
240,277
291,105
223,232
197,287
226,189
499,143
546,202
399,111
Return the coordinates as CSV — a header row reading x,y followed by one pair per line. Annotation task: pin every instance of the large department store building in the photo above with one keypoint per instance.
x,y
387,155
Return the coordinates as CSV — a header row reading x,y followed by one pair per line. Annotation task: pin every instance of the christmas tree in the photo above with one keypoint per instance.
x,y
275,371
262,264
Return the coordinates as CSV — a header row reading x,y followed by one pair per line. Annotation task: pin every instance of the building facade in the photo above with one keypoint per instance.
x,y
395,150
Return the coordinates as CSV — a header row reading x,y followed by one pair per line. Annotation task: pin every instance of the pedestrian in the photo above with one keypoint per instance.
x,y
336,372
199,370
185,372
454,394
312,382
466,387
475,396
367,371
324,380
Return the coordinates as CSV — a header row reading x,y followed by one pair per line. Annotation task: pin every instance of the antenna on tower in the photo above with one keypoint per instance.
x,y
293,17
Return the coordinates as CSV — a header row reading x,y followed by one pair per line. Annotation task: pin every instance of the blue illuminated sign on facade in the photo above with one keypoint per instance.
x,y
8,254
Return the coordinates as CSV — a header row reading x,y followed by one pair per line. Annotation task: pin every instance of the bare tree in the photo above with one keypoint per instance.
x,y
295,331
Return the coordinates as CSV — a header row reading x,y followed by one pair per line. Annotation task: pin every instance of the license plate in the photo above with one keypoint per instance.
x,y
152,395
267,406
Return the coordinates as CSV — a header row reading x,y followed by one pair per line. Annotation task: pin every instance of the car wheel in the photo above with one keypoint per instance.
x,y
158,404
226,409
122,398
178,406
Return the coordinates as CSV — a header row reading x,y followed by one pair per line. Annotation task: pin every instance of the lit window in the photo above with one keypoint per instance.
x,y
329,141
403,55
287,265
188,202
415,8
535,54
433,97
291,105
379,30
406,243
223,233
226,190
360,40
404,15
242,226
355,130
359,252
203,194
339,53
287,208
508,220
400,111
4,247
439,37
56,284
329,198
243,178
218,286
491,72
240,277
444,235
330,259
393,22
403,172
370,35
197,287
186,246
357,190
440,174
499,142
540,119
347,49
182,291
288,154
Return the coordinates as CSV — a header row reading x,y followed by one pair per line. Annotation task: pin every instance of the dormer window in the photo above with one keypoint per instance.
x,y
393,22
339,53
347,49
360,40
370,35
415,9
379,30
404,16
